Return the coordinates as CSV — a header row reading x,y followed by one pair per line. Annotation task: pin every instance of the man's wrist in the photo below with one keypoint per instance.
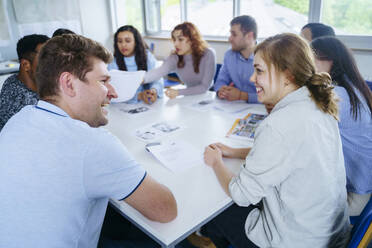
x,y
243,96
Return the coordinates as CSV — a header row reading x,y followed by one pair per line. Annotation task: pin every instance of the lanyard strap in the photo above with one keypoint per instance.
x,y
47,110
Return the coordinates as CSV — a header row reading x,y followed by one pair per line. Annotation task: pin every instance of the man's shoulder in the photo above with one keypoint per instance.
x,y
231,53
10,83
99,137
14,88
230,56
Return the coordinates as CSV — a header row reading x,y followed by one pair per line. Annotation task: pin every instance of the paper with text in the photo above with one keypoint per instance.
x,y
177,156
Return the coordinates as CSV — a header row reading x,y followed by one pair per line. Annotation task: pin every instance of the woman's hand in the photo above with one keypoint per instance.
x,y
171,93
148,96
213,156
226,151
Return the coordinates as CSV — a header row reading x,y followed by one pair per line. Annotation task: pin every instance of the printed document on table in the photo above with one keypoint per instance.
x,y
125,83
177,156
245,128
156,131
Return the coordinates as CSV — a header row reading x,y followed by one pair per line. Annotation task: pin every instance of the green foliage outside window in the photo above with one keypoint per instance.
x,y
300,6
133,14
345,16
351,17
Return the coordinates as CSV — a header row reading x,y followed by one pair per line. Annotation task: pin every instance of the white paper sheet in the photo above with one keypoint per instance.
x,y
126,83
177,156
219,105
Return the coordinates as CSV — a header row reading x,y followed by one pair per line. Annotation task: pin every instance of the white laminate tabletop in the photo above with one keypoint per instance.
x,y
198,193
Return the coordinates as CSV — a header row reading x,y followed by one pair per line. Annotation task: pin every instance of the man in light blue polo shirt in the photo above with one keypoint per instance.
x,y
233,81
57,169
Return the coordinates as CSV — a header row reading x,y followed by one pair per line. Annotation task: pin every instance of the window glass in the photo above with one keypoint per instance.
x,y
276,16
130,13
4,31
170,14
348,17
212,17
152,14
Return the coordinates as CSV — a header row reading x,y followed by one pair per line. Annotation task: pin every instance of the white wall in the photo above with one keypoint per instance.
x,y
364,61
96,21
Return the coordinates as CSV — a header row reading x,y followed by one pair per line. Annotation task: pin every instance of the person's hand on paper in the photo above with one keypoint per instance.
x,y
171,93
148,96
213,155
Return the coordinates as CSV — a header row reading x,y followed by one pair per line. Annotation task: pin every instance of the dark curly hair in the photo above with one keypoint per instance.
x,y
198,45
139,49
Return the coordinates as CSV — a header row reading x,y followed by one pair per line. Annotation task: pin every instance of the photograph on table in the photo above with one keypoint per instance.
x,y
245,128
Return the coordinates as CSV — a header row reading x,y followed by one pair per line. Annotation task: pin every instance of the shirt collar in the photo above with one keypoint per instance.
x,y
300,94
51,108
251,57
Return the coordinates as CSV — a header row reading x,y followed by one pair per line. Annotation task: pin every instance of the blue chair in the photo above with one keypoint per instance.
x,y
218,67
369,83
361,234
171,80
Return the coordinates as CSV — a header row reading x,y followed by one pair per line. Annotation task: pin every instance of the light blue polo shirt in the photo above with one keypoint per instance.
x,y
56,175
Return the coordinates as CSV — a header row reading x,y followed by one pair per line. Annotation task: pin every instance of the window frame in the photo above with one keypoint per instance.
x,y
355,42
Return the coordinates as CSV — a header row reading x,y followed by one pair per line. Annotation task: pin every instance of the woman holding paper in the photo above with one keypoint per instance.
x,y
295,169
192,60
332,56
131,55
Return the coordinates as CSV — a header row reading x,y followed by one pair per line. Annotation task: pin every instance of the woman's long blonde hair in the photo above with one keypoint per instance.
x,y
289,52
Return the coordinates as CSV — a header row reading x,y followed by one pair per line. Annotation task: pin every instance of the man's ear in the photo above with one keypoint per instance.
x,y
249,35
67,84
25,64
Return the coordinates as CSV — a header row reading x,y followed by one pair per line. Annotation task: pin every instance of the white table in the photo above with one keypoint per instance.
x,y
198,194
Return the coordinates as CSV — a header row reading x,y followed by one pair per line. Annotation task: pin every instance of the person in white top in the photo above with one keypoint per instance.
x,y
295,169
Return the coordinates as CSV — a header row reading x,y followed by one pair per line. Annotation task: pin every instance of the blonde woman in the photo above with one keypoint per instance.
x,y
295,169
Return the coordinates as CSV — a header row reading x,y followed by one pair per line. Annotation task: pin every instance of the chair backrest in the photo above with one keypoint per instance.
x,y
369,83
218,67
361,234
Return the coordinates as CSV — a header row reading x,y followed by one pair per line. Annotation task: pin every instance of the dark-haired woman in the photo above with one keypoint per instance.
x,y
131,55
355,105
192,60
295,169
315,30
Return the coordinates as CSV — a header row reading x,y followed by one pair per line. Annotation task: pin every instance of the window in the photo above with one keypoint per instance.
x,y
4,30
277,16
212,17
348,17
351,19
130,14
